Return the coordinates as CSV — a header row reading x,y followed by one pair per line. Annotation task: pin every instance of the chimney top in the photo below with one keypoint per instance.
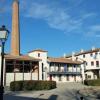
x,y
64,55
16,1
93,48
73,53
82,51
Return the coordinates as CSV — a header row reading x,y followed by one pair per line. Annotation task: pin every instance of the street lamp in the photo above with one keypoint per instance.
x,y
3,37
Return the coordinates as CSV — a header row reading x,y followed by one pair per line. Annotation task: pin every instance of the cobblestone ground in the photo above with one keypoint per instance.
x,y
64,91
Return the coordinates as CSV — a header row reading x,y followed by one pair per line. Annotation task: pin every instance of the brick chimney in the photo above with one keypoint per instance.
x,y
15,35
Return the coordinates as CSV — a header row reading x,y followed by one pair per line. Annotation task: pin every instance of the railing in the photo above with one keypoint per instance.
x,y
92,68
68,70
72,73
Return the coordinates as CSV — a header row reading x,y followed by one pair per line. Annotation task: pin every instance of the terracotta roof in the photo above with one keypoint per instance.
x,y
22,57
85,52
63,60
40,50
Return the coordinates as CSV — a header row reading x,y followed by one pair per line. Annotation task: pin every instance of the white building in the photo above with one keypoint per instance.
x,y
38,66
57,69
91,59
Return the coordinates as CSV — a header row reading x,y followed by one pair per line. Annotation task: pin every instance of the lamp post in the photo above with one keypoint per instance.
x,y
3,37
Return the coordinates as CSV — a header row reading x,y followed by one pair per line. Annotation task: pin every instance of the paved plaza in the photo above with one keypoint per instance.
x,y
64,91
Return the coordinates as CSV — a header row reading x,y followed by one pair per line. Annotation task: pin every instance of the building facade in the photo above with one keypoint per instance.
x,y
36,65
57,69
91,60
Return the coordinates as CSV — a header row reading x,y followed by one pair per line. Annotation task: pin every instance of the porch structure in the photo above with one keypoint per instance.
x,y
20,68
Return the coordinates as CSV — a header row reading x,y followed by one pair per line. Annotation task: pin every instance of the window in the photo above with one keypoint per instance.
x,y
59,67
67,78
91,54
9,68
83,56
59,77
51,64
86,63
74,66
76,58
54,76
89,76
97,63
38,54
65,67
92,63
95,57
26,68
86,76
42,67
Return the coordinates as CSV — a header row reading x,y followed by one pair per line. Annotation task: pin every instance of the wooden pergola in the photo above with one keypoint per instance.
x,y
21,64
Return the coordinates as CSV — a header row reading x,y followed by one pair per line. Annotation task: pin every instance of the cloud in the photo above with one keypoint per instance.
x,y
73,3
95,28
88,15
58,17
94,31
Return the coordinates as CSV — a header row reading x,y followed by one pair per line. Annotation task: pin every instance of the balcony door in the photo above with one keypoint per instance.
x,y
59,77
50,77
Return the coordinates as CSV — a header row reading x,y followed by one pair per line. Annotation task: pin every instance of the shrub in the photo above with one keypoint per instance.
x,y
92,82
32,85
16,86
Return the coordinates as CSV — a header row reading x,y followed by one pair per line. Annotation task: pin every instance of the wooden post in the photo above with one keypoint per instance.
x,y
31,69
23,70
38,70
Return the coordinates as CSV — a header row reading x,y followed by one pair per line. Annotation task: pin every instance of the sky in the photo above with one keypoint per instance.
x,y
58,26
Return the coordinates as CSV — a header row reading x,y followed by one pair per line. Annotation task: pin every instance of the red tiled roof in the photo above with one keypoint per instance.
x,y
22,57
85,52
40,50
63,60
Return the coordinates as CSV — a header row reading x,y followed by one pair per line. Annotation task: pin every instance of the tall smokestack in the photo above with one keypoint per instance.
x,y
15,36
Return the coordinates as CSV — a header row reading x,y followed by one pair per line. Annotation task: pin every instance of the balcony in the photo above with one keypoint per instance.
x,y
92,68
64,73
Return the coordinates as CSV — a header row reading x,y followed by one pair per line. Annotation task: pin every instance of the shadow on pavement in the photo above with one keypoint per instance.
x,y
53,97
13,97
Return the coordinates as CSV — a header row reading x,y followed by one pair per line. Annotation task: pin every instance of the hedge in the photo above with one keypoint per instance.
x,y
32,85
92,82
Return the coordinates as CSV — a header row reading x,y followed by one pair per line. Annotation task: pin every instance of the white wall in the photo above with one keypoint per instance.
x,y
43,57
19,76
88,58
63,78
90,73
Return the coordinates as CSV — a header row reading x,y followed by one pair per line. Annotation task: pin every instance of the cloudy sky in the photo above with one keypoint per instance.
x,y
59,26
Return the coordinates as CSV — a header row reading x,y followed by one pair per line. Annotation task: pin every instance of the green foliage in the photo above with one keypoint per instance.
x,y
16,85
32,85
92,82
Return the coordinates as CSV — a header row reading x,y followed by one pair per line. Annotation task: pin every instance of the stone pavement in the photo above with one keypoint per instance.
x,y
64,91
92,93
